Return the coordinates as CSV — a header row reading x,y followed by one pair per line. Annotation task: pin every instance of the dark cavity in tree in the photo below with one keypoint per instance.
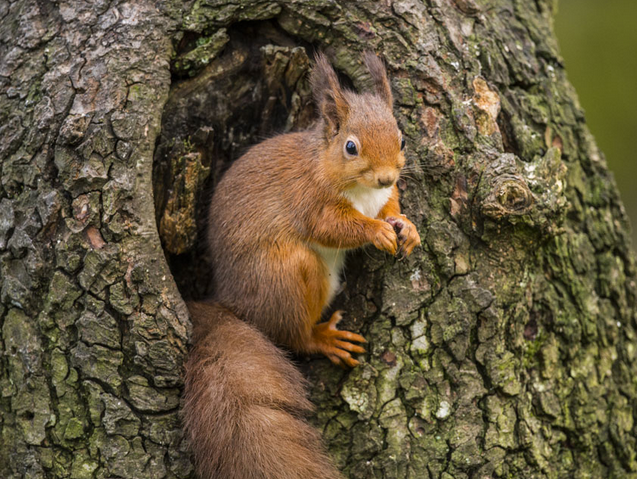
x,y
230,90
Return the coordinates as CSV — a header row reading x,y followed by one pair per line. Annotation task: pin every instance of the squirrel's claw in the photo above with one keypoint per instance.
x,y
343,359
347,346
408,237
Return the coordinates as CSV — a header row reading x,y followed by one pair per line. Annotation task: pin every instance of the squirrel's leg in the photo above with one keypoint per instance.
x,y
311,336
282,290
408,237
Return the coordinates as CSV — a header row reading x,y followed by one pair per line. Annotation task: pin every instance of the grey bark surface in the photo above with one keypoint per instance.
x,y
505,347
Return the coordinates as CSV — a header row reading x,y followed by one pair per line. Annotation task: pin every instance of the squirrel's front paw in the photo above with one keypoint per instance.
x,y
385,238
408,237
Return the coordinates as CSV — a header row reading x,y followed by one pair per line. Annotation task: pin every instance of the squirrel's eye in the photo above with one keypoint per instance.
x,y
350,148
402,144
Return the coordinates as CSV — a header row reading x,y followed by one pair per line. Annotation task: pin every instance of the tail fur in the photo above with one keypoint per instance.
x,y
244,403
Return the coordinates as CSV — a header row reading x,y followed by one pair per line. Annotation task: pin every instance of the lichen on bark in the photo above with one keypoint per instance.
x,y
503,348
93,329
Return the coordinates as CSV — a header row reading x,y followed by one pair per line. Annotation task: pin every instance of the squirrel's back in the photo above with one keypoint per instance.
x,y
264,191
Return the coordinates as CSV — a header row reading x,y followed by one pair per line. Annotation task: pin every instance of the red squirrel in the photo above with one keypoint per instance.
x,y
280,223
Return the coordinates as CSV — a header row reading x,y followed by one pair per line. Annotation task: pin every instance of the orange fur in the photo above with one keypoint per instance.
x,y
392,207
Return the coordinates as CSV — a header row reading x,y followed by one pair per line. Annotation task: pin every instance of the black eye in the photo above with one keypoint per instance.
x,y
350,148
402,144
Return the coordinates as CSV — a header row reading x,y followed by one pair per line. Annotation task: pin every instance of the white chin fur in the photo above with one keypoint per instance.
x,y
369,201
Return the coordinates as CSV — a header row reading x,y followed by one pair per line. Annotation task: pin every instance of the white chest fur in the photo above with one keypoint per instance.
x,y
369,201
334,259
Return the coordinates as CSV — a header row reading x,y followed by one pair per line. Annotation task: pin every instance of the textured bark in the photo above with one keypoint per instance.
x,y
503,348
94,330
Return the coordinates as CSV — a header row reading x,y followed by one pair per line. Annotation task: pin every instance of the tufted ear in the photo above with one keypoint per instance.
x,y
379,76
328,95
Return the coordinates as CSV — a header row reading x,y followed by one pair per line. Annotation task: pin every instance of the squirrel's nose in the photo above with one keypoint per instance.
x,y
385,181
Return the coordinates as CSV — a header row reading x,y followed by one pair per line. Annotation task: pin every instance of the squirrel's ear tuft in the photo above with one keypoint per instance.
x,y
379,76
328,94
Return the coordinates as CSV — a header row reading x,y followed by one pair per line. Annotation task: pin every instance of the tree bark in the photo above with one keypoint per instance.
x,y
503,348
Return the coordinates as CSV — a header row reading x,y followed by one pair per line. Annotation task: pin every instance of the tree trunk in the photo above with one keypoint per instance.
x,y
503,348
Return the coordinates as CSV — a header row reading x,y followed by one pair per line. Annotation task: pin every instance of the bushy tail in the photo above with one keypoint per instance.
x,y
244,403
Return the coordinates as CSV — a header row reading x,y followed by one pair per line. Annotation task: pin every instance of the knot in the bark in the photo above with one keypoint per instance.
x,y
510,195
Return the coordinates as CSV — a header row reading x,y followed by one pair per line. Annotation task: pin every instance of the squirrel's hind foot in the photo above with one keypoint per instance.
x,y
336,344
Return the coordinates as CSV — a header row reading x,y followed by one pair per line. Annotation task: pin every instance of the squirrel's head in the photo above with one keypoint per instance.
x,y
364,144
